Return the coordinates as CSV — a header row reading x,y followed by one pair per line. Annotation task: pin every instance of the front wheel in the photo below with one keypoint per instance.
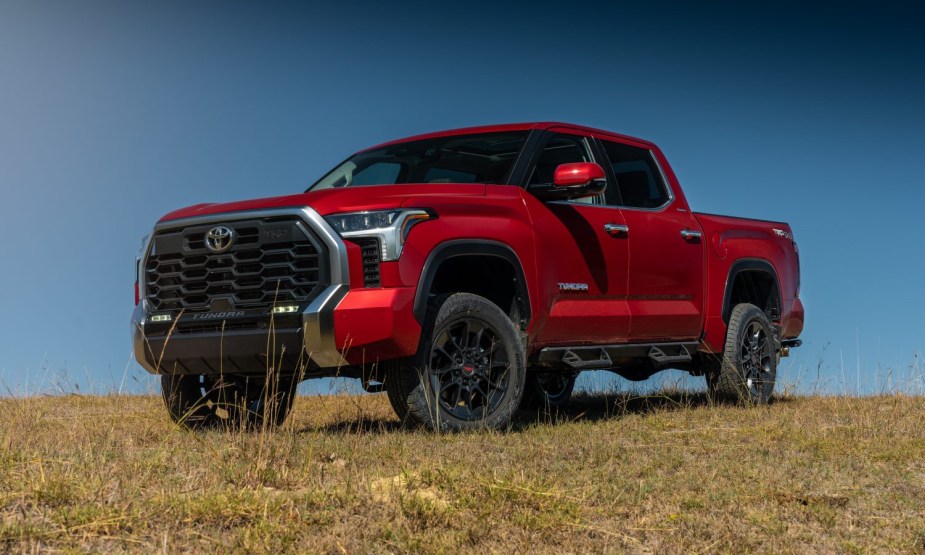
x,y
232,401
748,369
469,371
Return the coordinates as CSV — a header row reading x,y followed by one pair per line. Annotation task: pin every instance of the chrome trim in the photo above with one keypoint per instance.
x,y
616,229
139,316
318,327
689,234
318,316
391,238
219,239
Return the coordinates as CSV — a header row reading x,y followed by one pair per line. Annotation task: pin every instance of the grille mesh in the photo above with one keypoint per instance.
x,y
272,261
369,246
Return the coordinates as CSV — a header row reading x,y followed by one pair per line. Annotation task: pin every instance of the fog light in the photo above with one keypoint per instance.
x,y
288,309
161,318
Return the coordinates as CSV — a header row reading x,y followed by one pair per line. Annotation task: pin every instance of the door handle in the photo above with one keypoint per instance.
x,y
616,229
690,234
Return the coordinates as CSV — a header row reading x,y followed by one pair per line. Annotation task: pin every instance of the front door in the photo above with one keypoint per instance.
x,y
581,263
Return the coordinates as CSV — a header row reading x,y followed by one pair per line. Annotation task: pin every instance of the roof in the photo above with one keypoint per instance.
x,y
500,128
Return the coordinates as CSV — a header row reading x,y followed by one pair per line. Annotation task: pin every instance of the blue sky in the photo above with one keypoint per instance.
x,y
113,113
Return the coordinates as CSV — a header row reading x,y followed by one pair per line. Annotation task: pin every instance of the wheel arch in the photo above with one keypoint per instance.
x,y
753,280
452,265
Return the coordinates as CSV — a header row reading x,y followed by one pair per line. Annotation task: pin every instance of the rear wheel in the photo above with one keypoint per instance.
x,y
547,389
748,369
199,401
469,371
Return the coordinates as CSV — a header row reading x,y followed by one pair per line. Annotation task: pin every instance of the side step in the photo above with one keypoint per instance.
x,y
602,357
681,354
599,360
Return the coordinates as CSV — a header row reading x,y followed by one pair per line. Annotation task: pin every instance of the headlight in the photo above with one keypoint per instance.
x,y
391,227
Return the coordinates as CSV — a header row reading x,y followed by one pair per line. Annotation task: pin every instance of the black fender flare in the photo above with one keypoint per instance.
x,y
470,247
747,265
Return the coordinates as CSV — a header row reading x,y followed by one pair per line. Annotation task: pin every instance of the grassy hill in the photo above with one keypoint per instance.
x,y
614,473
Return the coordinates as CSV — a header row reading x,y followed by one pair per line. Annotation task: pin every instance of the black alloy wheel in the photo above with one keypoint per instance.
x,y
747,371
469,371
756,352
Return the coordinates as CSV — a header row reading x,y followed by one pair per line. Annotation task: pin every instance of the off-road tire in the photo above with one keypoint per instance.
x,y
230,401
490,352
192,400
547,389
396,387
748,369
261,402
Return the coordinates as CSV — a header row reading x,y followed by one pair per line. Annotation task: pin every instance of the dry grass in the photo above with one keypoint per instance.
x,y
614,473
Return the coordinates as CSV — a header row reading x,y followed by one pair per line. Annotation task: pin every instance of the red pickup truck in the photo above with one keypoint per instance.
x,y
467,273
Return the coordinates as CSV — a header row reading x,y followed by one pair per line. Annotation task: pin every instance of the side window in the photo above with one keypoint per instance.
x,y
638,179
562,149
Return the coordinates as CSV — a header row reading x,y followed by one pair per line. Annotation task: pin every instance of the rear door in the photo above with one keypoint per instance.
x,y
581,264
666,253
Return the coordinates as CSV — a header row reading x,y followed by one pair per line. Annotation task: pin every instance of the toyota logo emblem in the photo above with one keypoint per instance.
x,y
219,239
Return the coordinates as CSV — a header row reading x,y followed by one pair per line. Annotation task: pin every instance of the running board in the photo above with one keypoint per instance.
x,y
601,357
594,359
681,354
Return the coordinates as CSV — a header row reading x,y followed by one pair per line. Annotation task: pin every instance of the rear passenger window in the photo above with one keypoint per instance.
x,y
638,179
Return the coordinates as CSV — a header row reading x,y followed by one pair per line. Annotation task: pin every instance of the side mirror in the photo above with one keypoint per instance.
x,y
577,174
571,181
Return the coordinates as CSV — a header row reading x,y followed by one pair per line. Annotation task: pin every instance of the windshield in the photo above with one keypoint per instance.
x,y
482,158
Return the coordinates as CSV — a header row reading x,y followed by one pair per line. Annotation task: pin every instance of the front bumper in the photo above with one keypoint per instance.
x,y
289,345
309,339
338,329
363,326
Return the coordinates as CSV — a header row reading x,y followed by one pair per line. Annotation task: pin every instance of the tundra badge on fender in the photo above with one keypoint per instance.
x,y
573,287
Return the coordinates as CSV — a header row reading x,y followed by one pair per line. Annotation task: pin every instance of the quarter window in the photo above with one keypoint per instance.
x,y
638,179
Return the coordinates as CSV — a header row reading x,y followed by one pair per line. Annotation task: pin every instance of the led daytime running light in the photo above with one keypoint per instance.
x,y
391,227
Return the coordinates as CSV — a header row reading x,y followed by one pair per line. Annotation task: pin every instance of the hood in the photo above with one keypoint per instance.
x,y
330,201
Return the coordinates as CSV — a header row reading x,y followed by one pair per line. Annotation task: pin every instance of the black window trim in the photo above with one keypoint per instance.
x,y
594,150
612,177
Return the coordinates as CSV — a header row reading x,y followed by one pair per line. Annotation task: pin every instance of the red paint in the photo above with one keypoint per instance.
x,y
580,173
371,325
650,284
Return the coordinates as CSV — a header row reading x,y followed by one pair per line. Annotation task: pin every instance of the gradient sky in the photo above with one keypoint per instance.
x,y
112,113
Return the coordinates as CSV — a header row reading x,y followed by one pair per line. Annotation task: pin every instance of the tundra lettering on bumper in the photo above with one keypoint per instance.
x,y
176,346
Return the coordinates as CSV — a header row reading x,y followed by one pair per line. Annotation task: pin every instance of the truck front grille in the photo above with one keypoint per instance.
x,y
271,261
